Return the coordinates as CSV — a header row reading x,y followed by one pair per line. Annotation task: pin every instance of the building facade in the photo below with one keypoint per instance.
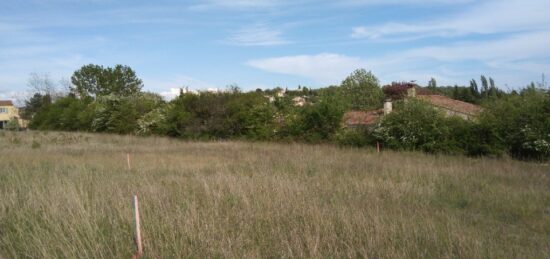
x,y
9,112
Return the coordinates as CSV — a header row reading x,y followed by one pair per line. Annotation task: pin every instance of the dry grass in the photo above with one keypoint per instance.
x,y
69,196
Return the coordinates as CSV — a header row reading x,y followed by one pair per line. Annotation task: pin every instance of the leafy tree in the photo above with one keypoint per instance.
x,y
416,126
522,123
94,80
432,84
317,122
361,90
12,124
484,86
473,88
35,104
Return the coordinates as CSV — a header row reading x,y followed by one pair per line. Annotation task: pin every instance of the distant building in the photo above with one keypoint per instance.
x,y
354,119
452,107
299,101
9,112
449,106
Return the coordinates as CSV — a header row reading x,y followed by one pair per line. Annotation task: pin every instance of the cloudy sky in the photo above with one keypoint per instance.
x,y
266,43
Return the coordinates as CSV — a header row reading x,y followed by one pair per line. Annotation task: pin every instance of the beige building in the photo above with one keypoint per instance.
x,y
9,112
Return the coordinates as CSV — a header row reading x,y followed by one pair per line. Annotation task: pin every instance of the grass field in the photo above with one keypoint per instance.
x,y
65,195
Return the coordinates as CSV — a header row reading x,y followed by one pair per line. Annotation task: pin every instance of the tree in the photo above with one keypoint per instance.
x,y
35,104
432,84
473,87
42,84
94,80
361,90
484,86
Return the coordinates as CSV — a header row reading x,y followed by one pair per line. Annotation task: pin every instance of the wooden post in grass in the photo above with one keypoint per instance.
x,y
128,160
378,147
137,238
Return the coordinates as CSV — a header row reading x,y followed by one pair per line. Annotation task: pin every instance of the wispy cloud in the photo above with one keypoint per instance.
x,y
235,4
502,56
486,18
258,35
169,87
325,68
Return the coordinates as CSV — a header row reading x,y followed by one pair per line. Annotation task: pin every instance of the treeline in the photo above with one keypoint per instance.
x,y
111,100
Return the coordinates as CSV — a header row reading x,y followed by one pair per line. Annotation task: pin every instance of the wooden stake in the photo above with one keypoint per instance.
x,y
128,160
378,146
137,238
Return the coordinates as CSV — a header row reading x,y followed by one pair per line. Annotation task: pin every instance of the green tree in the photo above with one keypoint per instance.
x,y
361,90
35,104
432,84
484,86
522,123
94,80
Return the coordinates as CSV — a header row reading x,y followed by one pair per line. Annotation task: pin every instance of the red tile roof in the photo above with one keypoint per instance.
x,y
6,103
353,118
451,104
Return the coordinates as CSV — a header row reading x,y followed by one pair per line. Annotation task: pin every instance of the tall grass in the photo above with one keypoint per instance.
x,y
69,196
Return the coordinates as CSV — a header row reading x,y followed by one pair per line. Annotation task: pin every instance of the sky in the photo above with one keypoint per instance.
x,y
204,44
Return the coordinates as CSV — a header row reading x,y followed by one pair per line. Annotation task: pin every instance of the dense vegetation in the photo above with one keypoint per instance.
x,y
111,100
68,195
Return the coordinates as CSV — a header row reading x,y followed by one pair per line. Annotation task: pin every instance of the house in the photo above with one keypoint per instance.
x,y
299,101
449,106
452,107
9,112
355,119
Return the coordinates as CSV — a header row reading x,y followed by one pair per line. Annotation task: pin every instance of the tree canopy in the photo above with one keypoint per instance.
x,y
95,80
362,90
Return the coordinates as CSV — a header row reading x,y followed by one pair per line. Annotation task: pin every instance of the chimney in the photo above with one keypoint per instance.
x,y
411,92
388,107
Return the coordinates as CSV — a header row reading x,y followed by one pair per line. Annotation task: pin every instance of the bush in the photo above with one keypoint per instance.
x,y
13,124
522,123
417,126
355,137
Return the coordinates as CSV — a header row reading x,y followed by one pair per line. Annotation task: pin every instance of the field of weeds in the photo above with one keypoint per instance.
x,y
69,195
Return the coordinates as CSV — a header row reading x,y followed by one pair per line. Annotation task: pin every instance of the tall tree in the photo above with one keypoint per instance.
x,y
492,88
484,86
94,80
432,84
361,90
473,87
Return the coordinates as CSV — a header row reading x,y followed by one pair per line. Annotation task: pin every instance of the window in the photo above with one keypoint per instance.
x,y
3,110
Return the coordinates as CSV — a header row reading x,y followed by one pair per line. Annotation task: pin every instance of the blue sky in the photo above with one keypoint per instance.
x,y
266,43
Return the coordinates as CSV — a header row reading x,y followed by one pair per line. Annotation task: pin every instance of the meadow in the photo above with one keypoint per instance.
x,y
69,195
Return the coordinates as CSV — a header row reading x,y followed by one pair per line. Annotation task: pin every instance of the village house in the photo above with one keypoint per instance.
x,y
449,106
9,112
299,101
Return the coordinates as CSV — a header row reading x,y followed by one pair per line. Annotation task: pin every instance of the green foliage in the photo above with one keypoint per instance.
x,y
95,80
317,122
522,122
110,100
361,90
35,104
354,137
416,126
12,124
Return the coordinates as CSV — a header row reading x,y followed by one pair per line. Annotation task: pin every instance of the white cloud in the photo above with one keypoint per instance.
x,y
235,4
170,88
512,58
258,35
486,18
326,68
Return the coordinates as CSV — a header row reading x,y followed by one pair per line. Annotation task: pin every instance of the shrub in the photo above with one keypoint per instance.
x,y
417,126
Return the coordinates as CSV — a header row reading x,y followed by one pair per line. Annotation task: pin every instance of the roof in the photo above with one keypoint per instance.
x,y
352,118
451,104
6,103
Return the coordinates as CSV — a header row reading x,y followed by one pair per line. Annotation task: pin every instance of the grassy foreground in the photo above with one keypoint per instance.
x,y
68,195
